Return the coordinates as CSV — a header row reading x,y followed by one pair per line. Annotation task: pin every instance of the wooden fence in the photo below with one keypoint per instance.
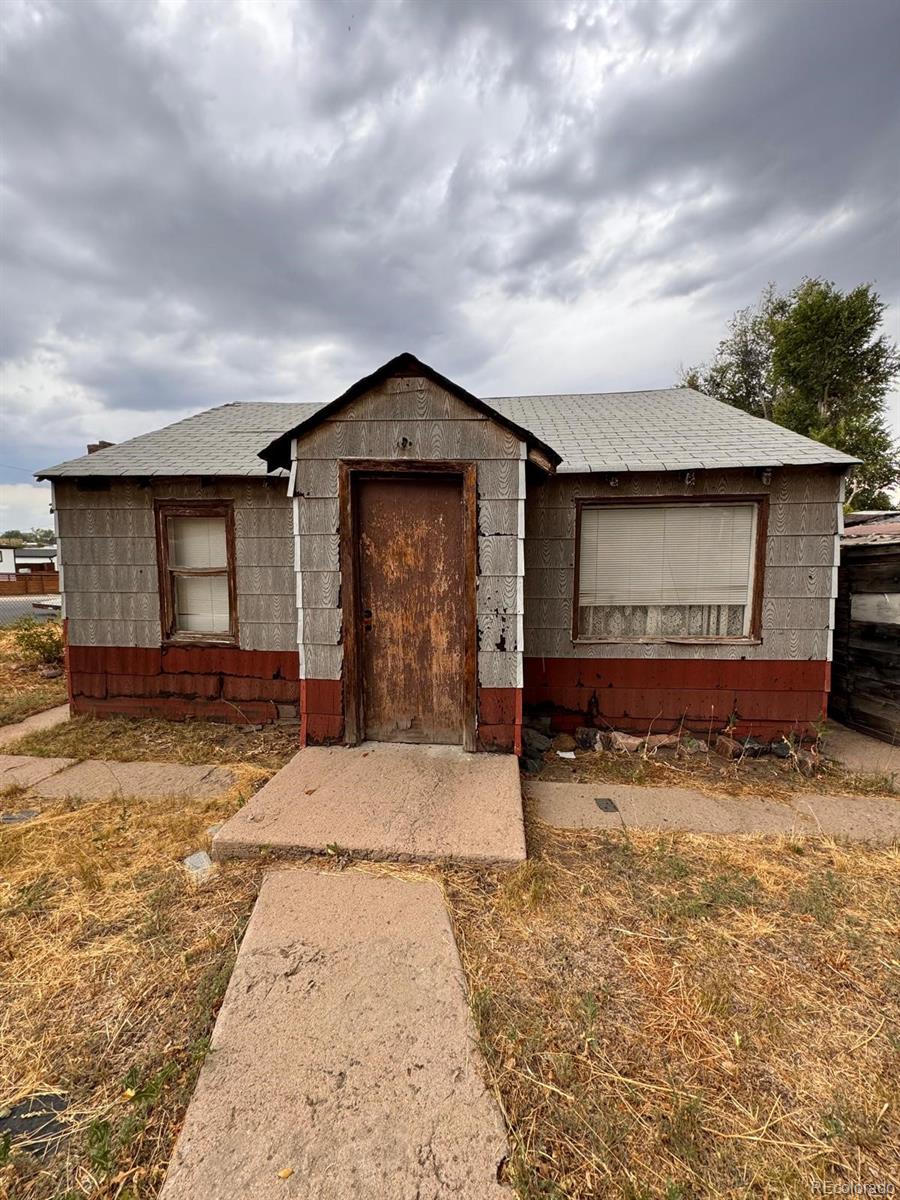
x,y
37,584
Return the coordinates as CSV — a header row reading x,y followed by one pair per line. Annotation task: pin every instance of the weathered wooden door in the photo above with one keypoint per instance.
x,y
412,608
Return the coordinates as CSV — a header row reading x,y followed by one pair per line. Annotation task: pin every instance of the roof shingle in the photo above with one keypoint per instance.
x,y
671,429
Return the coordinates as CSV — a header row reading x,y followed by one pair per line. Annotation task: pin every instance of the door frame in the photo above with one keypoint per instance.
x,y
350,471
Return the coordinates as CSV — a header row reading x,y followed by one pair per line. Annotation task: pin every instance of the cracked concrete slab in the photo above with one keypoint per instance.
x,y
27,771
400,802
100,780
574,806
342,1064
42,720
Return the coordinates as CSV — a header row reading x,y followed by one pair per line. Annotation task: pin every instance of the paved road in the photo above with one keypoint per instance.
x,y
12,608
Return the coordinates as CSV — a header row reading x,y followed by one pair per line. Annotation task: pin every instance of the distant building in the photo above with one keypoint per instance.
x,y
30,559
26,560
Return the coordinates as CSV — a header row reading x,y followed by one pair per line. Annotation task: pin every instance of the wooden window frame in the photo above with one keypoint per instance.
x,y
164,510
754,635
350,471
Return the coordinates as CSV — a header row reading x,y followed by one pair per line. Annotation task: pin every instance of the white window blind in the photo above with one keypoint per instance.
x,y
656,556
201,603
197,542
198,562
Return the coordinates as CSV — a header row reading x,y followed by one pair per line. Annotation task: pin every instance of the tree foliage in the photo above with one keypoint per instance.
x,y
814,361
31,537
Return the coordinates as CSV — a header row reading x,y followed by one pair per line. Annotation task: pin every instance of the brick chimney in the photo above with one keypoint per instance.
x,y
93,447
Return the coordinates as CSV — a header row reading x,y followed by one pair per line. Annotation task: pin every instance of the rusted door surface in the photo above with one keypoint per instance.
x,y
412,608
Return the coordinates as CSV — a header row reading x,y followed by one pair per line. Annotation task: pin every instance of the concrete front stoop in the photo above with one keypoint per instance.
x,y
343,1064
385,801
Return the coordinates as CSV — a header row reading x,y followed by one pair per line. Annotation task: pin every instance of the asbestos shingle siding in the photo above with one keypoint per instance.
x,y
109,568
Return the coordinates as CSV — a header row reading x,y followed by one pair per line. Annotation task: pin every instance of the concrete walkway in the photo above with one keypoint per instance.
x,y
42,720
859,752
58,778
342,1064
400,802
614,806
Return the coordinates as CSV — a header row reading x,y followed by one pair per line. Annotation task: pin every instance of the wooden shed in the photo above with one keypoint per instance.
x,y
865,691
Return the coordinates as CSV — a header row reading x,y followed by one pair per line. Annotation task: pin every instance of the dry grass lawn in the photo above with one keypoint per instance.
x,y
661,1017
689,1016
129,739
23,690
113,966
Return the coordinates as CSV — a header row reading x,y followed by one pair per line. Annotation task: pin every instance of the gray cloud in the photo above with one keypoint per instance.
x,y
219,203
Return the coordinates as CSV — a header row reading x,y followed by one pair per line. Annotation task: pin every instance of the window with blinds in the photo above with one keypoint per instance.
x,y
666,571
197,571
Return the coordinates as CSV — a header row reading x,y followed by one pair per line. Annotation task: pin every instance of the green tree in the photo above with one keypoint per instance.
x,y
815,361
741,371
33,537
41,537
832,371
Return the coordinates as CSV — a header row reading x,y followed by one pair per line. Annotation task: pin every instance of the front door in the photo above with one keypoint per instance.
x,y
412,608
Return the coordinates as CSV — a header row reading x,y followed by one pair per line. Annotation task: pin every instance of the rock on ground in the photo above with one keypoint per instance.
x,y
625,742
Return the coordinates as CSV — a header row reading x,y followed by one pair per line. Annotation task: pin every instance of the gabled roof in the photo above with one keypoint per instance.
x,y
219,441
669,429
278,452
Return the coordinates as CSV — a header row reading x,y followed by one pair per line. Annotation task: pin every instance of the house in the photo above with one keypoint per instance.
x,y
410,562
26,560
36,559
866,694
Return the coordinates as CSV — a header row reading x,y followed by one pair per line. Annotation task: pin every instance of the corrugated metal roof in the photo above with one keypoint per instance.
x,y
670,429
873,533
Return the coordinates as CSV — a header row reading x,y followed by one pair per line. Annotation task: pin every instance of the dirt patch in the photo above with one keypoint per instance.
x,y
686,1016
135,739
23,689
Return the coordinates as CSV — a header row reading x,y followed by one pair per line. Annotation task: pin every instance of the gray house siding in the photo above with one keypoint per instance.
x,y
800,580
411,419
108,555
414,419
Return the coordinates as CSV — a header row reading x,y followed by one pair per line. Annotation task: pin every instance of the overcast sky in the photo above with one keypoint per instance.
x,y
215,201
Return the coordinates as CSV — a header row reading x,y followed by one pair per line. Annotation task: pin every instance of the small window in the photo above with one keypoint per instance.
x,y
656,572
197,571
